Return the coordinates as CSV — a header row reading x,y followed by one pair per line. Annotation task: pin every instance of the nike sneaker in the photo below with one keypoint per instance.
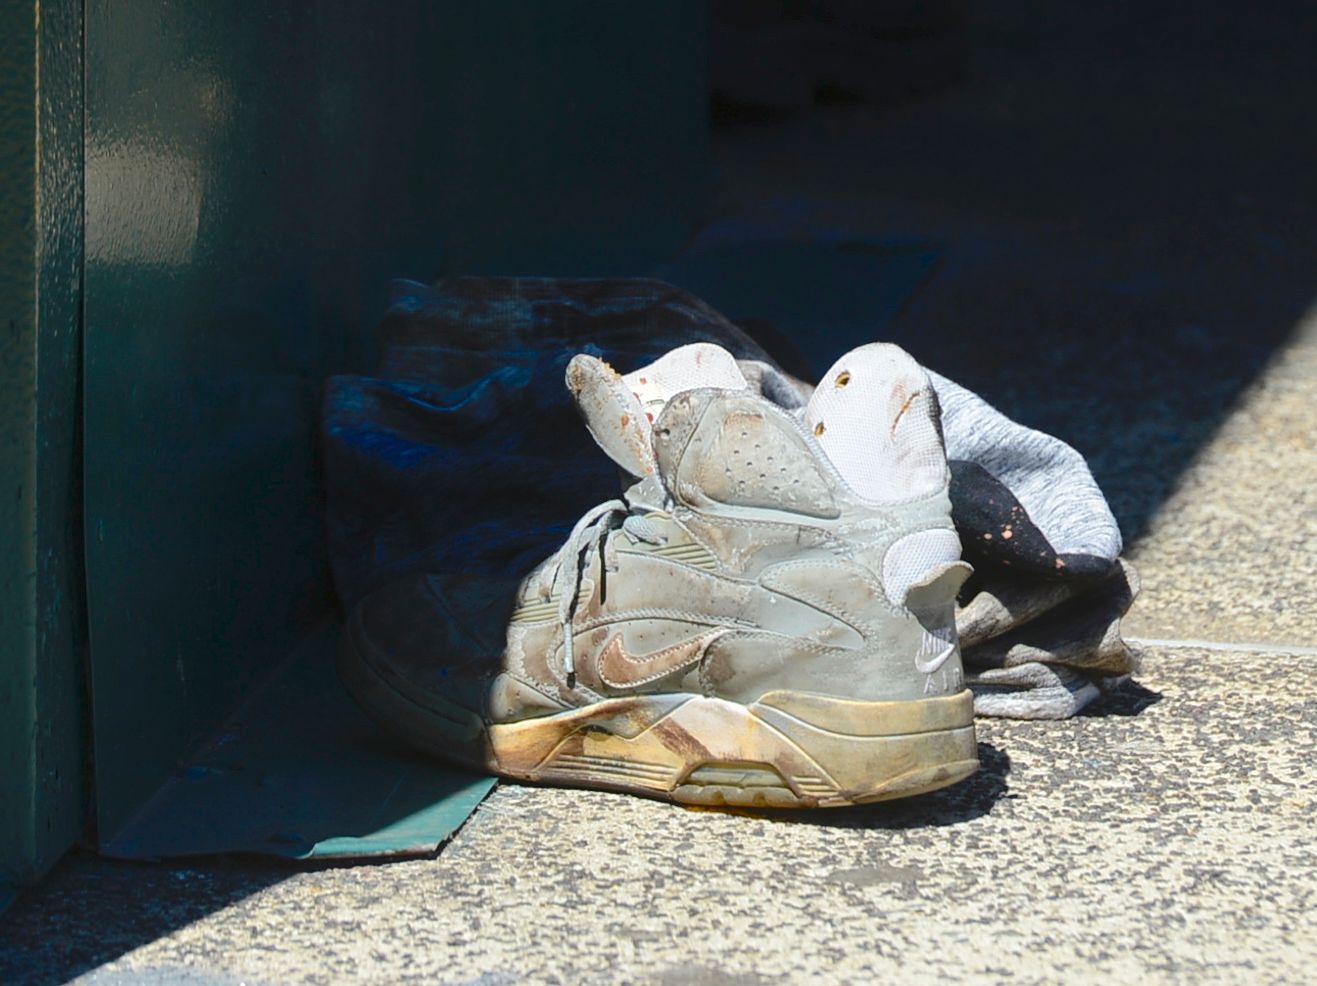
x,y
765,618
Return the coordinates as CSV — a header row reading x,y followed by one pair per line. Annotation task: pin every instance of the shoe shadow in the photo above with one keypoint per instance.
x,y
970,799
1129,699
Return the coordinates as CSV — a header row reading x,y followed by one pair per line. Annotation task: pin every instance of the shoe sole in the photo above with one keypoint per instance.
x,y
787,750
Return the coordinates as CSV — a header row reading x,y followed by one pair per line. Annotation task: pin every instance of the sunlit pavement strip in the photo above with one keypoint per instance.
x,y
1231,556
1238,648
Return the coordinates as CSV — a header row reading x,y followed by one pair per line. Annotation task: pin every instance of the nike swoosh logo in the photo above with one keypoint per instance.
x,y
927,664
619,669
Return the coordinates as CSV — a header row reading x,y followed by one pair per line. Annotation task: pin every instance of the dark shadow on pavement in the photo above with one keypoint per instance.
x,y
92,910
1129,699
955,805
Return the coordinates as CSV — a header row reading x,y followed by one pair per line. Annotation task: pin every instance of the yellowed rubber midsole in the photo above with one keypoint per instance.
x,y
789,749
776,751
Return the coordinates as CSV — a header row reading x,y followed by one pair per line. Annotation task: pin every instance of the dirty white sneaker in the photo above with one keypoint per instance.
x,y
765,618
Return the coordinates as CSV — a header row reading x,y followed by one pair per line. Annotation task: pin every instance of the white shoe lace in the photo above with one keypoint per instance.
x,y
591,530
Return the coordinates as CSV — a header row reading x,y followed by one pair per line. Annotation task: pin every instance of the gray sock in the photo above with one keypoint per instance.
x,y
1022,499
1031,691
1036,649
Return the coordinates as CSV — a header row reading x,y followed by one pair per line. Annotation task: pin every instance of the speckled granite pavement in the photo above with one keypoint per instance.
x,y
1169,837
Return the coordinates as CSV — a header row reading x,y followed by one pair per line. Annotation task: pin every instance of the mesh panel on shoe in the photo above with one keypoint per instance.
x,y
914,556
876,416
701,364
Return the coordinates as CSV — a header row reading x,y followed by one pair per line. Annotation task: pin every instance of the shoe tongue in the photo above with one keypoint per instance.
x,y
701,364
620,410
876,417
613,414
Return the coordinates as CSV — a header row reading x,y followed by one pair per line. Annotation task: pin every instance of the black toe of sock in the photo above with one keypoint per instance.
x,y
996,531
1085,566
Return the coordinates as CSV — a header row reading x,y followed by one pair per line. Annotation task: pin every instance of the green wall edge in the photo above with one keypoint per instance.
x,y
42,623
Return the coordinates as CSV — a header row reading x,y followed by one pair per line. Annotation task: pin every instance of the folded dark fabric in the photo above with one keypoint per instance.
x,y
464,454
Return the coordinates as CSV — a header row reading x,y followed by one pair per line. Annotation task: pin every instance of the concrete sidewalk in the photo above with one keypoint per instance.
x,y
1168,837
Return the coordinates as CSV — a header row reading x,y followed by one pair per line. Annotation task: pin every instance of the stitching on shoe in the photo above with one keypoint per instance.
x,y
802,643
679,615
817,601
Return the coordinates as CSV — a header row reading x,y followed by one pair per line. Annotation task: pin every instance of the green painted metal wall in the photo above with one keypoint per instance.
x,y
42,635
255,172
